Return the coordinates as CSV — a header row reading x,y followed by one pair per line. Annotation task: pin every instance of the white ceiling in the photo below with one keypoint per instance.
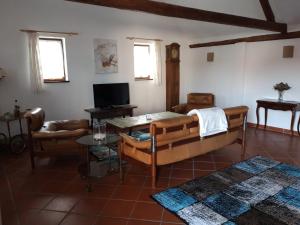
x,y
286,11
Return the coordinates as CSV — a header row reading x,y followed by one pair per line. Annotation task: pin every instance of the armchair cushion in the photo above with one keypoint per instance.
x,y
61,134
181,108
68,124
62,129
53,137
195,101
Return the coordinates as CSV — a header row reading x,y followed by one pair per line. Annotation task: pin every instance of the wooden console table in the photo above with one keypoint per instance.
x,y
274,104
100,113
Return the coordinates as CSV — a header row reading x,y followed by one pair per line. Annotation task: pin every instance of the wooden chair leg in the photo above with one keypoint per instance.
x,y
153,176
153,158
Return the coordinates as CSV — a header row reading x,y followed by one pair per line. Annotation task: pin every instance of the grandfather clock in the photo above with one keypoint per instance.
x,y
172,75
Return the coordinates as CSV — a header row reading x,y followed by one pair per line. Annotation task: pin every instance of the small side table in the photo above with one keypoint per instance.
x,y
17,143
110,142
274,104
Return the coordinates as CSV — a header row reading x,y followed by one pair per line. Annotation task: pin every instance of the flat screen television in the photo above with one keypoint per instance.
x,y
108,95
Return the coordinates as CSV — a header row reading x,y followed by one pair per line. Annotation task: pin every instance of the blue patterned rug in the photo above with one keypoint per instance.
x,y
258,191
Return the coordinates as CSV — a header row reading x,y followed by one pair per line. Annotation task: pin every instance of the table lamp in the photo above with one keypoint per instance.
x,y
2,73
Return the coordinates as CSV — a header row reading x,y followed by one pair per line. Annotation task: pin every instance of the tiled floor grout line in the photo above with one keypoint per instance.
x,y
135,202
264,149
100,214
169,183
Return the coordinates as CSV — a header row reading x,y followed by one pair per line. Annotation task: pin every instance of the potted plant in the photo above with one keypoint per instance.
x,y
281,88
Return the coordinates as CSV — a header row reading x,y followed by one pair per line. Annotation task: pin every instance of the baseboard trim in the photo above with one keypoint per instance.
x,y
274,129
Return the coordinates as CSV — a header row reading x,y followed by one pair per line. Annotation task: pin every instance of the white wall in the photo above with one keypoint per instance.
x,y
240,74
265,67
67,100
245,72
223,77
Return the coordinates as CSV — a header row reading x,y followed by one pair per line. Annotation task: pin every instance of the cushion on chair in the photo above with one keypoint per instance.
x,y
140,136
70,124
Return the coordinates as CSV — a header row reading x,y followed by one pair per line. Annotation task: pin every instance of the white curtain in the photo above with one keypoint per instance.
x,y
156,52
36,75
158,69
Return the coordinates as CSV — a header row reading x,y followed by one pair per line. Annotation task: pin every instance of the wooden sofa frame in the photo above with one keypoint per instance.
x,y
177,139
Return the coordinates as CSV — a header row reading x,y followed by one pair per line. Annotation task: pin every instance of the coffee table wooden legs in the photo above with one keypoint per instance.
x,y
257,116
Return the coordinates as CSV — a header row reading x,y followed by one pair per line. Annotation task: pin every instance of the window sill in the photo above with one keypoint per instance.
x,y
142,78
56,81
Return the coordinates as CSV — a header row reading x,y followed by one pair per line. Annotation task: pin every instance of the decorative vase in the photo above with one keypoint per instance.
x,y
280,96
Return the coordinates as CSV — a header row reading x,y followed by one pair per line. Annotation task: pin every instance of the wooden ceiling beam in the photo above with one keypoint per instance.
x,y
265,4
169,10
259,38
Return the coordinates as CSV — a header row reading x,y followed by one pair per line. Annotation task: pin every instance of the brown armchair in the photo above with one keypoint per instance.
x,y
53,137
195,101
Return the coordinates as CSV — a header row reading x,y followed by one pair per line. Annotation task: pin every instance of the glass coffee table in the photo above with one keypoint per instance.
x,y
101,156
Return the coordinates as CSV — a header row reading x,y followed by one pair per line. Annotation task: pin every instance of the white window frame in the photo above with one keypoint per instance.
x,y
152,56
63,45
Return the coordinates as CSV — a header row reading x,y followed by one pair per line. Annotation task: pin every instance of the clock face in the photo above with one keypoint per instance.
x,y
174,53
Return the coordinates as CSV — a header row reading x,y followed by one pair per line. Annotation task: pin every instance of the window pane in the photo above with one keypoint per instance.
x,y
52,58
142,61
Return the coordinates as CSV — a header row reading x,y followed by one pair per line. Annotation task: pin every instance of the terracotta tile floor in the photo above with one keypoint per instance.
x,y
55,194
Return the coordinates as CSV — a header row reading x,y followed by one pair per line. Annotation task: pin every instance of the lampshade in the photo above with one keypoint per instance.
x,y
2,73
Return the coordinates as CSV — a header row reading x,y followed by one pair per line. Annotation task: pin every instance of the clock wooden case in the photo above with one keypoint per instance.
x,y
172,75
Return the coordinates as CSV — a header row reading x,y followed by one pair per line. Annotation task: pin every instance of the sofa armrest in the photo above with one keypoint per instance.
x,y
62,134
181,108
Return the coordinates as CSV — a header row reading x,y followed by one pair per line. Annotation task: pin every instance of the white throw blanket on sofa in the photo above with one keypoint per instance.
x,y
211,120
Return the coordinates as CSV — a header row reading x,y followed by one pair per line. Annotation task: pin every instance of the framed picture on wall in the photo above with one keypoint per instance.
x,y
106,58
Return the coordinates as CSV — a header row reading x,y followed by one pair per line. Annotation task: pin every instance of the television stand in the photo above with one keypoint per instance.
x,y
111,112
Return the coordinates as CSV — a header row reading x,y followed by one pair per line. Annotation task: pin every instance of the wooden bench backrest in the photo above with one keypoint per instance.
x,y
173,130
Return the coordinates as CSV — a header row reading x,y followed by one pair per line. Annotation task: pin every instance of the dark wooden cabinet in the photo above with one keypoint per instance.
x,y
172,75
